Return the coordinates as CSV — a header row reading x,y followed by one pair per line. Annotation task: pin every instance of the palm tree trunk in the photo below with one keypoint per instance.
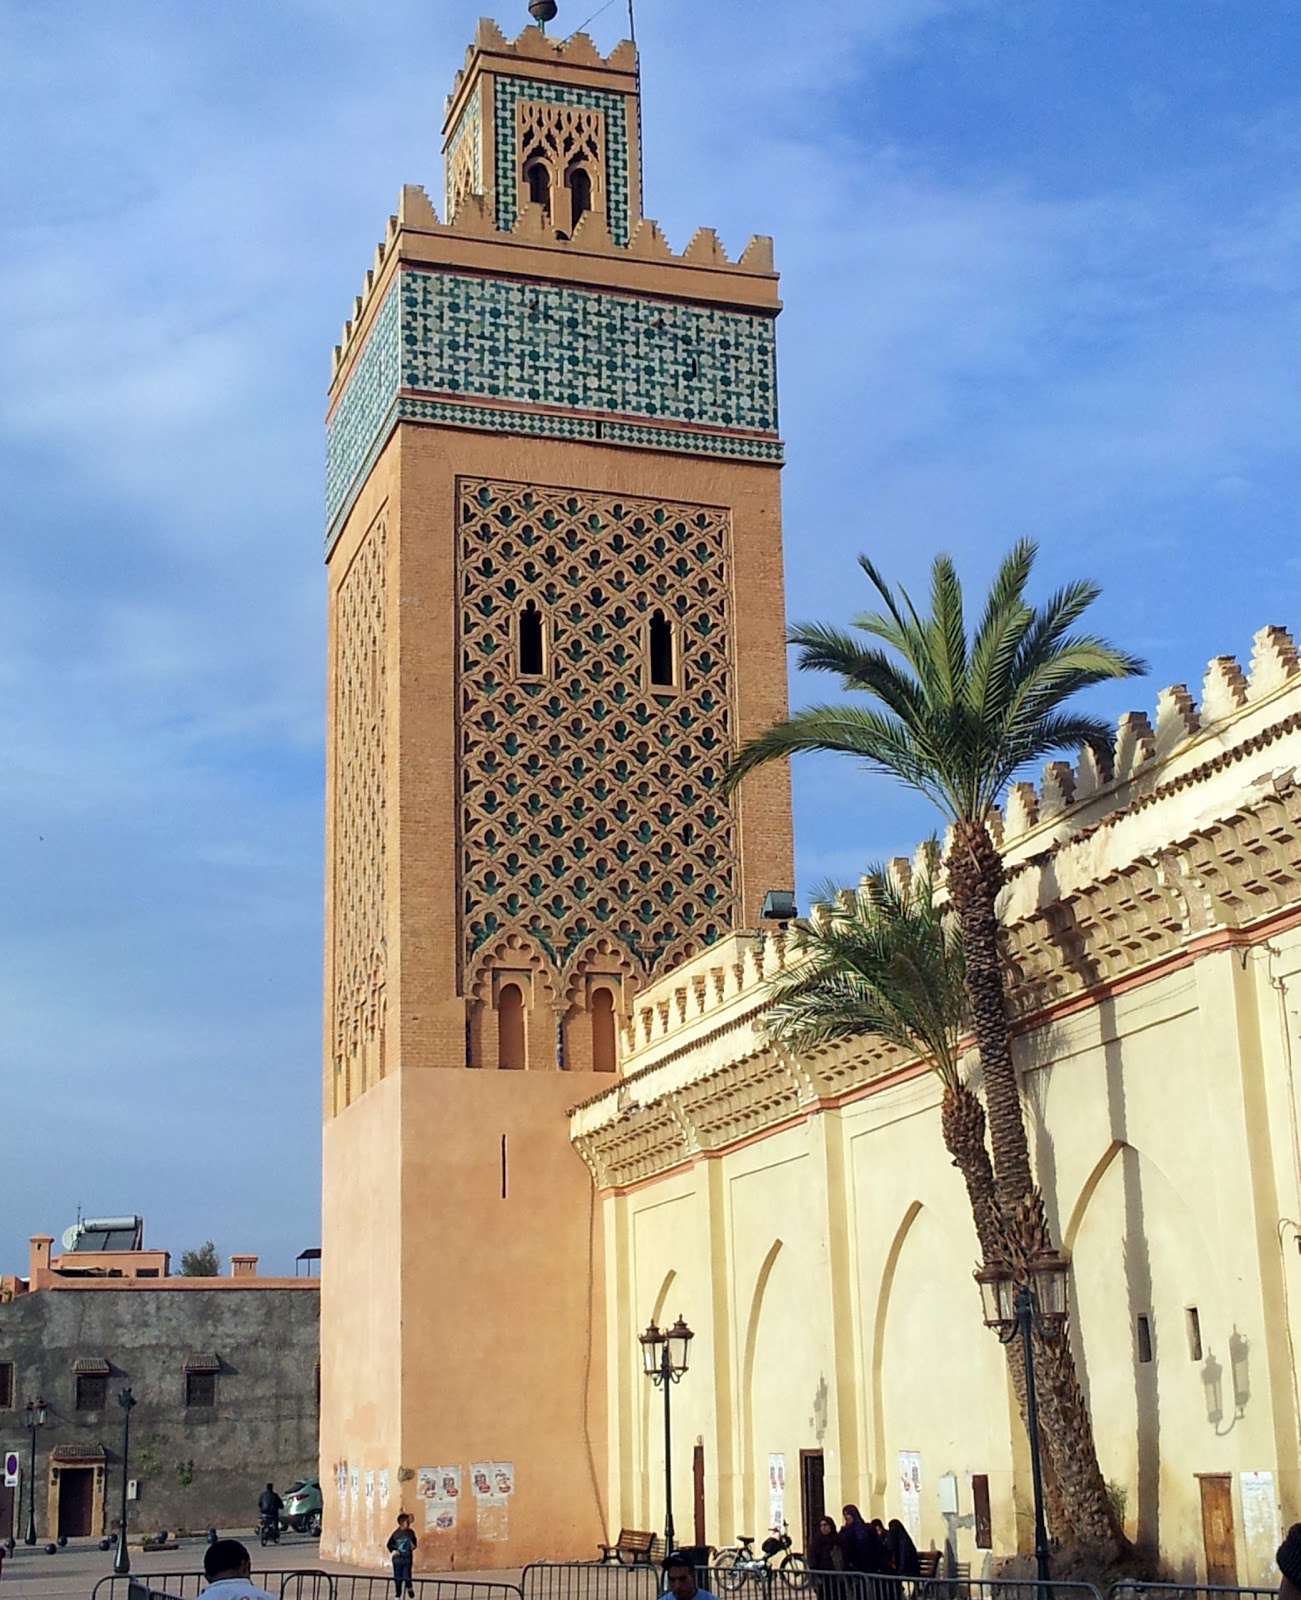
x,y
975,876
962,1122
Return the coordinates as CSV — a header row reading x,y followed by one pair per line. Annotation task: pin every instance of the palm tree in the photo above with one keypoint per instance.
x,y
883,960
955,716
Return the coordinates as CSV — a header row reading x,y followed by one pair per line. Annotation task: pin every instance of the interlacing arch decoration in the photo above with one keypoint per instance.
x,y
563,140
513,954
359,949
587,798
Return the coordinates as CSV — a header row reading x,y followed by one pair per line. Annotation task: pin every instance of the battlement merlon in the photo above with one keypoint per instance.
x,y
472,244
582,61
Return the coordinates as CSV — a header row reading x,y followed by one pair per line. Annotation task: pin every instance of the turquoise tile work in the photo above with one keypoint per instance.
x,y
508,92
498,339
356,419
562,362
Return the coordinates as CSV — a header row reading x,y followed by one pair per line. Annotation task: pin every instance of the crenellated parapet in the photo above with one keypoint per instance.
x,y
1188,841
474,221
1151,751
543,303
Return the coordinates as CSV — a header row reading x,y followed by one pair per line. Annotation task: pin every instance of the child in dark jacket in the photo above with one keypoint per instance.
x,y
402,1542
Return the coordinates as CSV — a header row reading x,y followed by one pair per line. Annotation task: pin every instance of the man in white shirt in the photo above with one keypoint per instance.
x,y
226,1566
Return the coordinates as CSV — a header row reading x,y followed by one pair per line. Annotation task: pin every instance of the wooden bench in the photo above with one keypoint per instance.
x,y
633,1543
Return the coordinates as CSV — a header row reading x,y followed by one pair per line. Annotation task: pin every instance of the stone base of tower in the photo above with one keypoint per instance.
x,y
462,1323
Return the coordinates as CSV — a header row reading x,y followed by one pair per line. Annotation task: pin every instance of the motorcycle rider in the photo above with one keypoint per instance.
x,y
270,1505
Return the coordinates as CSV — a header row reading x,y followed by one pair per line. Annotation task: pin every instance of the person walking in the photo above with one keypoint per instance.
x,y
901,1550
864,1552
825,1560
402,1542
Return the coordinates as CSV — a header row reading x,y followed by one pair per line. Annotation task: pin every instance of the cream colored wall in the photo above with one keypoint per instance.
x,y
1161,1121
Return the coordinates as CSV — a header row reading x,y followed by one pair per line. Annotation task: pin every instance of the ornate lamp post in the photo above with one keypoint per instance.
x,y
1034,1302
665,1354
121,1560
35,1419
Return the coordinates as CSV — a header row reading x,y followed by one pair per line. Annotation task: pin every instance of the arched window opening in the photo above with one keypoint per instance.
x,y
510,1028
580,190
530,641
661,651
603,1051
539,181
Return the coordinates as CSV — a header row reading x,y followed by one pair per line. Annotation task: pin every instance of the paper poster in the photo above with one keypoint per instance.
x,y
776,1491
354,1498
910,1490
383,1487
440,1489
493,1483
1260,1525
370,1485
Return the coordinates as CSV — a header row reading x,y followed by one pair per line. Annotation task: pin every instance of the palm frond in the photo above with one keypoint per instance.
x,y
879,960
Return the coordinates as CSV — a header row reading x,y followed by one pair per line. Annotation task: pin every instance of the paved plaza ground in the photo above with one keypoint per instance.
x,y
74,1572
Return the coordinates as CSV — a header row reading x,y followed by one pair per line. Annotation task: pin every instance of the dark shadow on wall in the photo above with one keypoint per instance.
x,y
1138,1285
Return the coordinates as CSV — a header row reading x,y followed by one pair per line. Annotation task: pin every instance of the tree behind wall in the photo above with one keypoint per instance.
x,y
201,1263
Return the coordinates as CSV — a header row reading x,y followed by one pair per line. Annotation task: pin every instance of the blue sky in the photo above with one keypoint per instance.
x,y
1040,263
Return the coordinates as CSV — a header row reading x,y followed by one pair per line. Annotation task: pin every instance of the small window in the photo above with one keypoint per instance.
x,y
6,1385
531,655
603,1051
580,190
539,184
661,652
1194,1327
1144,1338
200,1389
92,1391
510,1028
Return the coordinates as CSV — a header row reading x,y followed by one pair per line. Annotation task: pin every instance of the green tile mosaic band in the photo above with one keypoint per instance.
x,y
569,350
507,92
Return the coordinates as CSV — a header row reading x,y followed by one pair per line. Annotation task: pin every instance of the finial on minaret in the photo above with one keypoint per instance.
x,y
542,12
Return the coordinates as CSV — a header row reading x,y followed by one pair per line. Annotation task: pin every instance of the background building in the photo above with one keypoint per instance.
x,y
224,1372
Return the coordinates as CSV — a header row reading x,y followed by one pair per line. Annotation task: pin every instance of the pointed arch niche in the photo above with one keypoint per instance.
x,y
938,1376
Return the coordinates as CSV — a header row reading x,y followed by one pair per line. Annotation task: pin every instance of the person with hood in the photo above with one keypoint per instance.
x,y
901,1550
863,1550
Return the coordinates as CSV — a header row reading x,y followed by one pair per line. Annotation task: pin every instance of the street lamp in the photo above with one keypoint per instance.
x,y
122,1561
1034,1302
664,1354
35,1419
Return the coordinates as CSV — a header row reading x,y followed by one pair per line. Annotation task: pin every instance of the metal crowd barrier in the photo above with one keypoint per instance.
x,y
305,1584
881,1586
1129,1589
589,1580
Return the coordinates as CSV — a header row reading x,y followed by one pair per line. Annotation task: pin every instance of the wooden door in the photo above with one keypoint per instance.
x,y
1217,1527
8,1527
698,1495
813,1503
76,1500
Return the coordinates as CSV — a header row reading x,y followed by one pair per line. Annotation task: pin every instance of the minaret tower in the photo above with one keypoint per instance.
x,y
555,601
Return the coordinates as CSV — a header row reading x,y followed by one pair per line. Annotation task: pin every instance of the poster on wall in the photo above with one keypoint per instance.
x,y
493,1483
776,1491
440,1489
910,1490
382,1482
1260,1525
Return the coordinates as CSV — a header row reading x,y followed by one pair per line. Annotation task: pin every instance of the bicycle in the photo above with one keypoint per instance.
x,y
740,1563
